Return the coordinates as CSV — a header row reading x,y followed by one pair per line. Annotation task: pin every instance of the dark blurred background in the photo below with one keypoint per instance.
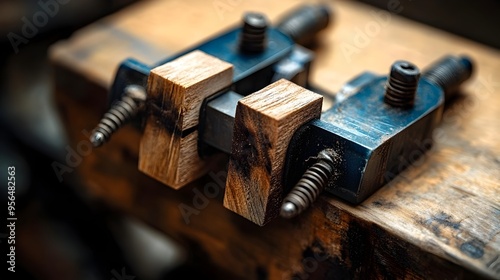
x,y
89,242
477,20
58,235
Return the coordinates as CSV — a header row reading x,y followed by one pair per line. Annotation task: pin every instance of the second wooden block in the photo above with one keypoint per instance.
x,y
264,124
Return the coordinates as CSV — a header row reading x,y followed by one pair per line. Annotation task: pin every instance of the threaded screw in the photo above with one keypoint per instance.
x,y
120,112
253,36
305,22
402,84
449,73
312,183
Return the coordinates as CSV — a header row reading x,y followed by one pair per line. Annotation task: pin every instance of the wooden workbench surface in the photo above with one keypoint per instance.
x,y
444,211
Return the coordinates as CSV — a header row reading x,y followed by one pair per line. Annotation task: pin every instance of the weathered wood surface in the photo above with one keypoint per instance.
x,y
264,124
438,219
169,145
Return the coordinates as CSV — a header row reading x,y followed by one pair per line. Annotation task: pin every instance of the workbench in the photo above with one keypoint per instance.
x,y
438,219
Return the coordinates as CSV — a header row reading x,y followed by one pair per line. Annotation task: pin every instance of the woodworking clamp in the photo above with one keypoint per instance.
x,y
246,94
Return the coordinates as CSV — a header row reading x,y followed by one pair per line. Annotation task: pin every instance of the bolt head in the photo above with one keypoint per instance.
x,y
405,71
256,20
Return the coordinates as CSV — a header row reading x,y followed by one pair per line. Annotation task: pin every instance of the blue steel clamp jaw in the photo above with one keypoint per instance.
x,y
378,127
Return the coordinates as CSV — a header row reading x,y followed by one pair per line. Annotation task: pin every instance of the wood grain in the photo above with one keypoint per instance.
x,y
168,150
265,122
438,220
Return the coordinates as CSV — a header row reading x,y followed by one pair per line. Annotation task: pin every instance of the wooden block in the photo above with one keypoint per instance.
x,y
264,124
168,149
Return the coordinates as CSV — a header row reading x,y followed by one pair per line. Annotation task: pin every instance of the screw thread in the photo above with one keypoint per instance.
x,y
305,22
449,73
402,84
312,183
253,34
120,112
